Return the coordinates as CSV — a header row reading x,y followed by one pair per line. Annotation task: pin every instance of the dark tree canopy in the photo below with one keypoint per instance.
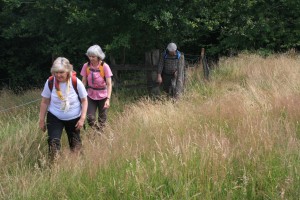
x,y
34,32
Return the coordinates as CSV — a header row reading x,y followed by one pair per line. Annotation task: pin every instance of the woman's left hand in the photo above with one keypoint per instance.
x,y
107,103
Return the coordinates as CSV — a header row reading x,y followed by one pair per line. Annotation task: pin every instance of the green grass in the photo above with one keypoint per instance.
x,y
233,137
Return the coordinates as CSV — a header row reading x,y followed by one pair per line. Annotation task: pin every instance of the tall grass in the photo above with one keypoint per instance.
x,y
234,137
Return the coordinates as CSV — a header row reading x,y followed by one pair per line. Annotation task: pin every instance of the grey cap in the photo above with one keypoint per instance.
x,y
172,47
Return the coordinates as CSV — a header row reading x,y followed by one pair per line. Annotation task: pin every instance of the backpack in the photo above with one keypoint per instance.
x,y
178,54
100,70
177,58
74,82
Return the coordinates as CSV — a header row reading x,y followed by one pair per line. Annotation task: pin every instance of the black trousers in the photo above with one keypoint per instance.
x,y
55,128
169,83
93,106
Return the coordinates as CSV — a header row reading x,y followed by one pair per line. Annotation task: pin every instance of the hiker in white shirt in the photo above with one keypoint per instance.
x,y
64,102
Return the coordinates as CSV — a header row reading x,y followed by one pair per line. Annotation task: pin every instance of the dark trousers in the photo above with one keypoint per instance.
x,y
169,83
93,105
55,128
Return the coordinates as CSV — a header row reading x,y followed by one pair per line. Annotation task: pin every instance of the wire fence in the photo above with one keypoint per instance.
x,y
206,68
192,59
19,106
189,58
197,59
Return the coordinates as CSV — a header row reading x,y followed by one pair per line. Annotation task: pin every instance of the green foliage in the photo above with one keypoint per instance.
x,y
34,33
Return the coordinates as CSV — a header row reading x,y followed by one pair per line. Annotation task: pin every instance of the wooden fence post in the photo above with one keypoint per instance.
x,y
201,57
204,64
115,77
151,60
148,74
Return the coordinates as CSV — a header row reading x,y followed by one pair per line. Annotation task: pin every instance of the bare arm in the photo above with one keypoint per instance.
x,y
159,79
84,105
84,81
109,90
43,110
160,69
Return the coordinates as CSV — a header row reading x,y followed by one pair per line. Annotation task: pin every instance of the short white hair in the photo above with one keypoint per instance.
x,y
172,47
62,64
95,50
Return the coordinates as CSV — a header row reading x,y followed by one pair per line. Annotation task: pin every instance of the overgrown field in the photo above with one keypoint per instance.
x,y
236,136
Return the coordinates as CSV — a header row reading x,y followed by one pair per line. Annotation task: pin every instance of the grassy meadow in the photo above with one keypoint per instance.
x,y
236,136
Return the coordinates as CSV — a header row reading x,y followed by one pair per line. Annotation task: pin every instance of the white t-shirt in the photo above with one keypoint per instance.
x,y
56,104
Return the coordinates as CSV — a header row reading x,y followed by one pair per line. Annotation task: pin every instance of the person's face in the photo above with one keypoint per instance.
x,y
61,76
93,59
172,53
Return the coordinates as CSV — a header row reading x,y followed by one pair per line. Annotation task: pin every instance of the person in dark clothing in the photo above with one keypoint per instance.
x,y
171,71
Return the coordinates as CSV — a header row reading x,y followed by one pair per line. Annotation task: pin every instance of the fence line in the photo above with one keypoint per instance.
x,y
206,68
18,106
192,58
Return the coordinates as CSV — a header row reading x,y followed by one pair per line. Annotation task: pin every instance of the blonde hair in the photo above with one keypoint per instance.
x,y
62,64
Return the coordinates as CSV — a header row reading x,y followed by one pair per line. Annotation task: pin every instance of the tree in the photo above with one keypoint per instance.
x,y
34,33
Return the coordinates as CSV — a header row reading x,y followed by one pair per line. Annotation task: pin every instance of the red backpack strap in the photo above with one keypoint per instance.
x,y
50,83
74,83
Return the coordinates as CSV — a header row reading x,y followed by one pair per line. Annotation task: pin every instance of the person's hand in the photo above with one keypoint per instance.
x,y
79,124
107,103
159,79
42,125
